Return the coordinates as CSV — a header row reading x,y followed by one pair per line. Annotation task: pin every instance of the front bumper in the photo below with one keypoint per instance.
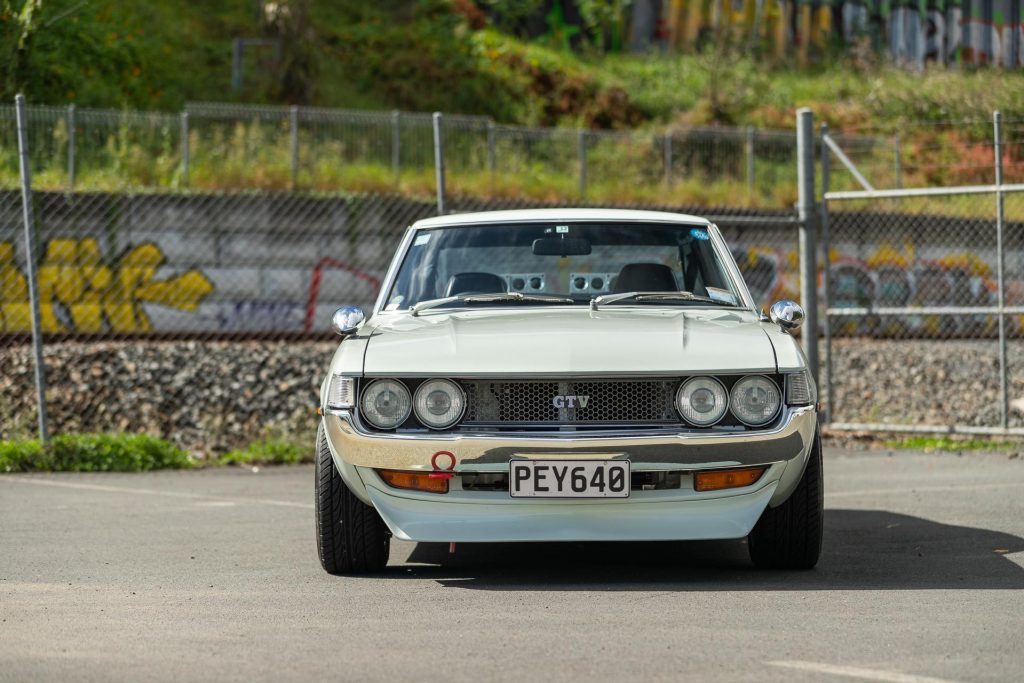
x,y
474,516
655,449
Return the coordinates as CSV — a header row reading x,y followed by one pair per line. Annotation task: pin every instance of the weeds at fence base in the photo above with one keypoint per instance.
x,y
93,453
135,453
945,444
268,452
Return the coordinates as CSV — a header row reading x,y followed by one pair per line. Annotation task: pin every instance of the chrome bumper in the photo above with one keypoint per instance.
x,y
653,450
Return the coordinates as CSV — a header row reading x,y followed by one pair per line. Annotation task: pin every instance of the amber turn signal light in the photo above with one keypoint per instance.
x,y
414,481
715,480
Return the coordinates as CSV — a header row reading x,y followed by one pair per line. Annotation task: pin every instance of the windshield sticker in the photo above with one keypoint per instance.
x,y
722,295
421,239
561,228
698,234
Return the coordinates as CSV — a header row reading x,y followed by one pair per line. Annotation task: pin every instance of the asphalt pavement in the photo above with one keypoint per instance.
x,y
212,575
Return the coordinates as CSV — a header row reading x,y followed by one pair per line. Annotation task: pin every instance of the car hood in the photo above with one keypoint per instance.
x,y
622,340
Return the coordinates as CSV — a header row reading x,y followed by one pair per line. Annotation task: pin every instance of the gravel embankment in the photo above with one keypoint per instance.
x,y
204,396
924,382
211,396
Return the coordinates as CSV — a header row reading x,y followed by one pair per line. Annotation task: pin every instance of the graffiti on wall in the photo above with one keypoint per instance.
x,y
912,31
890,276
81,291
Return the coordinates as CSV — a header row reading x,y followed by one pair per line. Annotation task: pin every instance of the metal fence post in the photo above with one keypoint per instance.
x,y
293,126
997,132
581,152
396,145
807,213
749,152
668,159
897,161
71,147
492,153
439,162
184,148
826,291
30,262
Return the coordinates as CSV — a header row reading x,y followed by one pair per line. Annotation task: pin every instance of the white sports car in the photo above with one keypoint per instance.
x,y
567,375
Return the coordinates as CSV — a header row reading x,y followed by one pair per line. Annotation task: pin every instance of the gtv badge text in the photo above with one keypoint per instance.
x,y
570,401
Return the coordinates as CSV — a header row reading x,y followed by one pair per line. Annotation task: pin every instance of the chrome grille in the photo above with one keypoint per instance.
x,y
635,401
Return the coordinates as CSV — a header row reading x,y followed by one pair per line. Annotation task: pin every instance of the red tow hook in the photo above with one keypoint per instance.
x,y
446,454
451,548
442,472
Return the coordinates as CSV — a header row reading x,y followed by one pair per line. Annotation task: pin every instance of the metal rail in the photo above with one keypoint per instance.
x,y
923,192
925,429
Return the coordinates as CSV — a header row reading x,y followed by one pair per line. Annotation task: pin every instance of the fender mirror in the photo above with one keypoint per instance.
x,y
787,314
346,319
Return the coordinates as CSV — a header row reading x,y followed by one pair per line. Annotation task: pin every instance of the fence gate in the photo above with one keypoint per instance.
x,y
924,318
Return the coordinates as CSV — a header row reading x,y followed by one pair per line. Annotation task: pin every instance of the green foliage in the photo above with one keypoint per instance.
x,y
269,452
930,444
511,15
112,53
430,45
604,20
92,453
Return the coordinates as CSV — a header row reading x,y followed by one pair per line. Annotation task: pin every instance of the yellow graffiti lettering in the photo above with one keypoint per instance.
x,y
14,306
80,292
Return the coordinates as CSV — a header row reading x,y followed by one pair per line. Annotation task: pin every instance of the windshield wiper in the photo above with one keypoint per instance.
x,y
642,297
514,297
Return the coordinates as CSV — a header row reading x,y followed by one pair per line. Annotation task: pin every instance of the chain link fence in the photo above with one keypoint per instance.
x,y
212,146
205,317
924,319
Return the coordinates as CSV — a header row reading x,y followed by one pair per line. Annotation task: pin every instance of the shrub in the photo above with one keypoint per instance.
x,y
92,453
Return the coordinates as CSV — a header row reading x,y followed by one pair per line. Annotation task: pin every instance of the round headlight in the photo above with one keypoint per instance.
x,y
439,403
702,401
386,403
755,400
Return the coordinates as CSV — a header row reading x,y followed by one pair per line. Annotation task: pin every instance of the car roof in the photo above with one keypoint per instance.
x,y
568,215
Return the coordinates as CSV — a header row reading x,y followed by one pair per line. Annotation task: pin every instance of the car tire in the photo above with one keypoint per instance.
x,y
351,537
789,536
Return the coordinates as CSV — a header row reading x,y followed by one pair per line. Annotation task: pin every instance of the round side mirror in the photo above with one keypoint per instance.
x,y
787,314
346,319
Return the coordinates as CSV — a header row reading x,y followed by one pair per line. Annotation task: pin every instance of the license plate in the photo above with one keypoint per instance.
x,y
569,478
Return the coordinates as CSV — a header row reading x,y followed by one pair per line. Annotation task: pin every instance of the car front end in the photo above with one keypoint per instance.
x,y
603,416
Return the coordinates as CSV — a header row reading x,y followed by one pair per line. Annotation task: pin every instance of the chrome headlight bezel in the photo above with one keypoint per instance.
x,y
682,399
735,403
400,390
457,399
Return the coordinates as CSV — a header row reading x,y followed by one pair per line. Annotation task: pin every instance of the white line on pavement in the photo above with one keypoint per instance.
x,y
152,492
923,489
857,672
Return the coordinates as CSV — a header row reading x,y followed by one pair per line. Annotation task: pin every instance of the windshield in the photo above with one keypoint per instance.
x,y
569,263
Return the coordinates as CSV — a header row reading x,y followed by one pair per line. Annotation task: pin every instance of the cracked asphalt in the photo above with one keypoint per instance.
x,y
212,575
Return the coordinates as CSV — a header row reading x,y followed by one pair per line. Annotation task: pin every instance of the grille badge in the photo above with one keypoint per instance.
x,y
570,401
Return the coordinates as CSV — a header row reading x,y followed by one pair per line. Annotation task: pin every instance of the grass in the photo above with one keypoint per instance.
x,y
134,453
945,444
268,452
92,453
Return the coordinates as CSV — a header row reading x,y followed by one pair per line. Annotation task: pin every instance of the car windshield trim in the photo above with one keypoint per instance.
x,y
496,297
680,297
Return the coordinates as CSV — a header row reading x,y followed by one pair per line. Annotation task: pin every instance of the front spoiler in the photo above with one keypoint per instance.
x,y
416,519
